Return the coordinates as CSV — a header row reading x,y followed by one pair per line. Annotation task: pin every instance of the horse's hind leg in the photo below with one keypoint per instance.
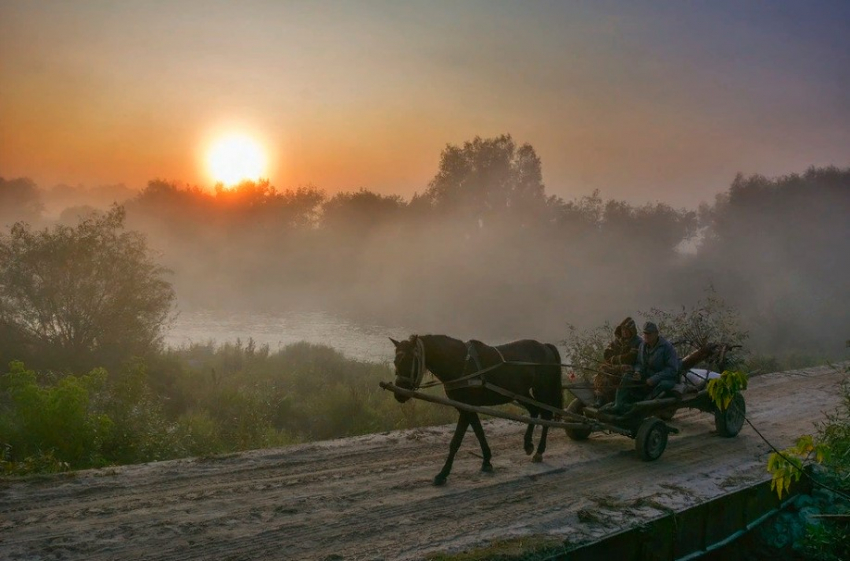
x,y
486,466
528,442
460,430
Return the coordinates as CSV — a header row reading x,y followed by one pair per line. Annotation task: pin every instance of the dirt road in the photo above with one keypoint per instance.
x,y
371,497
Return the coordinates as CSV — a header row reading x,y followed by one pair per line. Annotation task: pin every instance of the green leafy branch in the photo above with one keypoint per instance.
x,y
786,467
722,390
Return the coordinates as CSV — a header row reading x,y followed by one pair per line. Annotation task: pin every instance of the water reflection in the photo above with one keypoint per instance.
x,y
356,340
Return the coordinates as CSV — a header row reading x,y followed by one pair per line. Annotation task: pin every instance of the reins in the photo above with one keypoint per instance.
x,y
419,361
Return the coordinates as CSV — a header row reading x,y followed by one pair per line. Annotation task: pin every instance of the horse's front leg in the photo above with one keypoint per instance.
x,y
486,466
460,430
528,442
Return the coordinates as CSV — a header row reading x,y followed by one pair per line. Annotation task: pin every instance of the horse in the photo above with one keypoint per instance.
x,y
452,360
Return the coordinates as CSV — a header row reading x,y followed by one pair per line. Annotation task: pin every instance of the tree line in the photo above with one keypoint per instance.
x,y
484,250
85,299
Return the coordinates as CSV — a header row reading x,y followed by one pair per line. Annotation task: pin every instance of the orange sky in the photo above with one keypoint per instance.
x,y
650,102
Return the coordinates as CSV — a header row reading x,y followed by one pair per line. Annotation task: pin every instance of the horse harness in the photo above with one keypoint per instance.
x,y
475,379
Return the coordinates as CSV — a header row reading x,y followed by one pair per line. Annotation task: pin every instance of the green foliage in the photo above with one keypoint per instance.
x,y
830,447
722,390
82,296
834,435
42,462
827,541
141,431
234,397
787,466
54,421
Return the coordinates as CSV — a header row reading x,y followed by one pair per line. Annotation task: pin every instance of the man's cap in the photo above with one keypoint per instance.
x,y
650,327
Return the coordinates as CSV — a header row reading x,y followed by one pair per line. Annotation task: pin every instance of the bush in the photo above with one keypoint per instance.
x,y
141,433
709,321
80,297
53,422
219,399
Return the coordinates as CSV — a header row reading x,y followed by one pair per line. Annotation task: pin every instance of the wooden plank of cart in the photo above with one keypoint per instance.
x,y
648,421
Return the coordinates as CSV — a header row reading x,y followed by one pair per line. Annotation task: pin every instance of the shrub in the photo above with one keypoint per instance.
x,y
55,421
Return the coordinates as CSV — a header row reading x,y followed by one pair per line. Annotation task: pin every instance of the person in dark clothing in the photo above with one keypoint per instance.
x,y
619,361
656,370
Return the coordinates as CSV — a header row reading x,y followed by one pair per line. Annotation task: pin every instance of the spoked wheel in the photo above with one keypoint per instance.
x,y
576,407
729,422
651,439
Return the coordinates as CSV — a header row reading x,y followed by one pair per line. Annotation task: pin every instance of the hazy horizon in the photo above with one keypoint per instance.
x,y
645,102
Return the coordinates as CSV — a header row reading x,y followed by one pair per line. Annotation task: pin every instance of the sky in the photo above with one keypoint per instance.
x,y
645,101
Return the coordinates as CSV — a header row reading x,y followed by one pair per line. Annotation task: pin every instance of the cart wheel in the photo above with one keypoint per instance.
x,y
576,407
729,422
651,439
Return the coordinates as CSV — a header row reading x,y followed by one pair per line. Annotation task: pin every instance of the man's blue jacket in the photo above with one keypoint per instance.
x,y
658,363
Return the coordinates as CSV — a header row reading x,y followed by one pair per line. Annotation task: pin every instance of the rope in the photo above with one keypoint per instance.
x,y
838,492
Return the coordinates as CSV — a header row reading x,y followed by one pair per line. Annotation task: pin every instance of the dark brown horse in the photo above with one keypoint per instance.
x,y
538,378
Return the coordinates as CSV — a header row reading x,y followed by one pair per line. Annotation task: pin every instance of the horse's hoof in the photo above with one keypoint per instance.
x,y
440,480
487,467
529,448
537,458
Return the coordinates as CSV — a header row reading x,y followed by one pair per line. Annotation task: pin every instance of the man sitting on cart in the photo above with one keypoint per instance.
x,y
620,356
656,371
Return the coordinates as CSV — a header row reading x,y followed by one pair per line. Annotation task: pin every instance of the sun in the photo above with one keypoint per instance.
x,y
235,158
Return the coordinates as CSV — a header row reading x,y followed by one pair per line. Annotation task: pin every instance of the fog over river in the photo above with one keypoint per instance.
x,y
360,341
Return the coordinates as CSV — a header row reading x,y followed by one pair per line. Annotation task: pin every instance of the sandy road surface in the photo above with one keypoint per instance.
x,y
371,497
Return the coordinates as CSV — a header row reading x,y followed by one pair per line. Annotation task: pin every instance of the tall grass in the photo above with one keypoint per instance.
x,y
198,400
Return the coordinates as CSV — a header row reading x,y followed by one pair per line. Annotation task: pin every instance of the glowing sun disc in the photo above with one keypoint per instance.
x,y
236,158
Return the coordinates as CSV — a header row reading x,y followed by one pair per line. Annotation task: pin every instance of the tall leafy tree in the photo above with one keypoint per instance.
x,y
77,297
488,177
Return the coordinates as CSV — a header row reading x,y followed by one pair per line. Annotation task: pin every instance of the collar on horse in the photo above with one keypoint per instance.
x,y
417,366
474,379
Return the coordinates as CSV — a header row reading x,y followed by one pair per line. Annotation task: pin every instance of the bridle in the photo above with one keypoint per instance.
x,y
417,365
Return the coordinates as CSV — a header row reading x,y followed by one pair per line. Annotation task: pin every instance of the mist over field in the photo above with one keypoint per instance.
x,y
484,251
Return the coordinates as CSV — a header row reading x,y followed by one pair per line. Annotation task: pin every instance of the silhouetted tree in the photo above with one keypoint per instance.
x,y
488,177
657,229
779,246
359,212
20,200
84,296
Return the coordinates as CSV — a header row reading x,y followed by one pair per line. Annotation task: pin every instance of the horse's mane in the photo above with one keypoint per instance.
x,y
436,338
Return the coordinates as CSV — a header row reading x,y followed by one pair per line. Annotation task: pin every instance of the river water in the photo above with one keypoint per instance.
x,y
357,340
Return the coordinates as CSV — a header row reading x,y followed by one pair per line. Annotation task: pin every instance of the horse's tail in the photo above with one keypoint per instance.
x,y
556,389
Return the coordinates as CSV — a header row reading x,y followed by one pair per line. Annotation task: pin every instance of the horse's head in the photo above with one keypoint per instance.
x,y
409,364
